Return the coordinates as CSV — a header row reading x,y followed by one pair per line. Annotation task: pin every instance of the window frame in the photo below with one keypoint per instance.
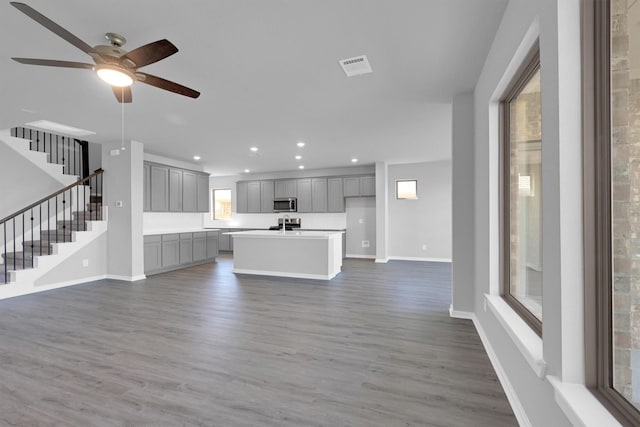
x,y
597,183
527,70
406,180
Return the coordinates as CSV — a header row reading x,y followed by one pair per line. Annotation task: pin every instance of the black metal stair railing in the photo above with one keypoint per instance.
x,y
67,210
71,153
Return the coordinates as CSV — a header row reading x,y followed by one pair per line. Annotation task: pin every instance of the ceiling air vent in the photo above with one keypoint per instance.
x,y
356,66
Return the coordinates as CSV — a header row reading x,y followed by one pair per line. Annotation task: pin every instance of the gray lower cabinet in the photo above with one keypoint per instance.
x,y
212,244
170,250
186,248
199,246
189,192
242,197
178,250
159,183
335,195
152,253
224,241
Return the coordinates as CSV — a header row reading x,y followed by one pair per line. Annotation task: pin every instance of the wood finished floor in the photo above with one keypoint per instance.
x,y
201,346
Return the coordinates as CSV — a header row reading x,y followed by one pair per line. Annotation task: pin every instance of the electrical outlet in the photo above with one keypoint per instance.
x,y
85,262
365,243
115,152
119,204
424,247
361,221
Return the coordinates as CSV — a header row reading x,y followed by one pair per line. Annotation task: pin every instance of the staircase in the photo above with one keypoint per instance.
x,y
39,237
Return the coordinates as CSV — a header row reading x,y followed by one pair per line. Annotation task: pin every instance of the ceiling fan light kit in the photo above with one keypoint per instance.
x,y
113,64
115,76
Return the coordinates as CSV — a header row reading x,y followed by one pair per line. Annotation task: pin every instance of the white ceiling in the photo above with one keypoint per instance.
x,y
269,76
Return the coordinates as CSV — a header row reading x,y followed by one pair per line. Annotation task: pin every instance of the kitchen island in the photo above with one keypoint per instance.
x,y
301,254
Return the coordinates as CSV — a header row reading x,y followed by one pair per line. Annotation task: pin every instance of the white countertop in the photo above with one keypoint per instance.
x,y
177,230
277,234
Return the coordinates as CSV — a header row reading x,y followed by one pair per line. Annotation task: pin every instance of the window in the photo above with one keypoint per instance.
x,y
521,193
221,204
407,189
612,204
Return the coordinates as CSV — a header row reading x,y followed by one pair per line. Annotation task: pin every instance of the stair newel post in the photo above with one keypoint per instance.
x,y
48,226
64,216
14,245
33,229
14,242
56,221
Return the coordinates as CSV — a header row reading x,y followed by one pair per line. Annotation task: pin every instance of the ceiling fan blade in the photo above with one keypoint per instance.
x,y
52,26
166,85
123,94
53,63
150,53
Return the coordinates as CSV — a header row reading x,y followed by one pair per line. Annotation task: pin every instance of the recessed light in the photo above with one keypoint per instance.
x,y
301,167
298,157
247,171
300,144
354,160
254,149
196,157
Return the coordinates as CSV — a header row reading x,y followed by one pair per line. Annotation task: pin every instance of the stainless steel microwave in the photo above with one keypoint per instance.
x,y
285,205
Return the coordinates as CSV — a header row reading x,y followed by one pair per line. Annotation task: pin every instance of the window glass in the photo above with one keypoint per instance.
x,y
525,220
625,197
221,204
407,189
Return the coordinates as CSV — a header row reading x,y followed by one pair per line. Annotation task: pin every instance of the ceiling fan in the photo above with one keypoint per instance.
x,y
113,64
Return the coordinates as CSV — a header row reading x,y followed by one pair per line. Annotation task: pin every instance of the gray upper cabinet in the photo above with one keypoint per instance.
x,y
286,189
319,195
189,192
175,190
351,186
202,191
242,196
335,195
159,188
367,185
146,185
304,195
266,196
359,186
253,197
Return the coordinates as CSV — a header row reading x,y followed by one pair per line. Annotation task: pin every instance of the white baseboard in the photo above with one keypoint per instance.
x,y
360,256
382,260
12,290
410,258
284,274
512,397
126,278
460,314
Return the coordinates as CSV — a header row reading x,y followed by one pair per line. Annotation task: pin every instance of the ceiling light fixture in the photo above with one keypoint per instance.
x,y
298,157
254,149
300,144
301,167
114,75
196,157
354,160
247,171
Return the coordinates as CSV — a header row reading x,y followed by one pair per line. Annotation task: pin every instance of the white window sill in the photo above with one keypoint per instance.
x,y
527,341
580,406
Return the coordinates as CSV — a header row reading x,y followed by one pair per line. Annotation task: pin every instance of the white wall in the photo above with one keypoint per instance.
x,y
534,371
462,233
21,182
361,227
425,221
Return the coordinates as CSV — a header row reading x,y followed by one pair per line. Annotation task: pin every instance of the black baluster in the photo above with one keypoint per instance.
x,y
48,226
33,230
14,246
56,223
6,270
14,243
